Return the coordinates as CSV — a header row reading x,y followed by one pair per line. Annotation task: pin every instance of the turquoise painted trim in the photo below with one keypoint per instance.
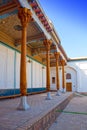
x,y
14,71
4,44
10,92
8,14
36,90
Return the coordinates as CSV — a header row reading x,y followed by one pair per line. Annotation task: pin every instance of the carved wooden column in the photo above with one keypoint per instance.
x,y
63,75
24,15
47,44
57,54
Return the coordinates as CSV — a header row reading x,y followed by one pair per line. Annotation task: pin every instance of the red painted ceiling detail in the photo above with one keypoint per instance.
x,y
40,15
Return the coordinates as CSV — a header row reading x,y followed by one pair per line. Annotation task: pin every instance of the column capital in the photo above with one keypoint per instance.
x,y
57,54
25,16
63,62
47,43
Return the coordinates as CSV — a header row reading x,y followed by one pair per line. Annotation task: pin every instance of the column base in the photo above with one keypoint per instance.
x,y
64,90
58,93
48,96
23,104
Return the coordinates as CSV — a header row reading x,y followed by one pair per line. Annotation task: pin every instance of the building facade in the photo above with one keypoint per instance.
x,y
29,47
77,68
75,73
32,58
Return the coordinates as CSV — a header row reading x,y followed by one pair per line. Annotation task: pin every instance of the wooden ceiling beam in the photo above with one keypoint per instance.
x,y
30,38
54,63
41,50
8,7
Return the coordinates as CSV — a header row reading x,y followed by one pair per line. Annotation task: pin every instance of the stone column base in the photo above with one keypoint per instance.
x,y
48,96
58,93
23,104
63,90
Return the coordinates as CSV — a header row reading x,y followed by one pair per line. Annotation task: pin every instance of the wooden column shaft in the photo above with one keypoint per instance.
x,y
24,15
57,70
23,81
63,77
47,44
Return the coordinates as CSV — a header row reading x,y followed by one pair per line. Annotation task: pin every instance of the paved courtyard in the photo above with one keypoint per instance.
x,y
74,116
12,119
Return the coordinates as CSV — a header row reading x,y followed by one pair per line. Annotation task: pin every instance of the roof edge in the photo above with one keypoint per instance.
x,y
77,59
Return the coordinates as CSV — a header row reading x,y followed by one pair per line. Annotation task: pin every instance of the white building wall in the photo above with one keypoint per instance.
x,y
38,75
6,67
3,69
17,73
28,72
44,77
34,78
73,79
10,70
81,74
53,74
60,78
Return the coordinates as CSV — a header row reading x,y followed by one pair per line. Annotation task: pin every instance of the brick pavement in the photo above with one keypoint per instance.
x,y
12,119
73,121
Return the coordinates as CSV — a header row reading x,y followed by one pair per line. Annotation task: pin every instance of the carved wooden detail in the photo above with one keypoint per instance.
x,y
57,54
47,44
63,75
24,15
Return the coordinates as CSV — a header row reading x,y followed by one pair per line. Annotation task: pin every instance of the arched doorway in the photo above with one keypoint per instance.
x,y
71,79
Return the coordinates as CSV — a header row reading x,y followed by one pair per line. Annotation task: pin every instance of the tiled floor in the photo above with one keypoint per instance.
x,y
74,116
12,119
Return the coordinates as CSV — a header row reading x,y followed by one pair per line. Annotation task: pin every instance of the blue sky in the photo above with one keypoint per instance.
x,y
69,18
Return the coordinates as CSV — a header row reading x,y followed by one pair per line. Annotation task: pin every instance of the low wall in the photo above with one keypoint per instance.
x,y
45,120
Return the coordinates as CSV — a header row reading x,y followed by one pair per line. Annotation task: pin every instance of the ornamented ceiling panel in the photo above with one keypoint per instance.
x,y
36,44
7,26
3,2
7,7
11,24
